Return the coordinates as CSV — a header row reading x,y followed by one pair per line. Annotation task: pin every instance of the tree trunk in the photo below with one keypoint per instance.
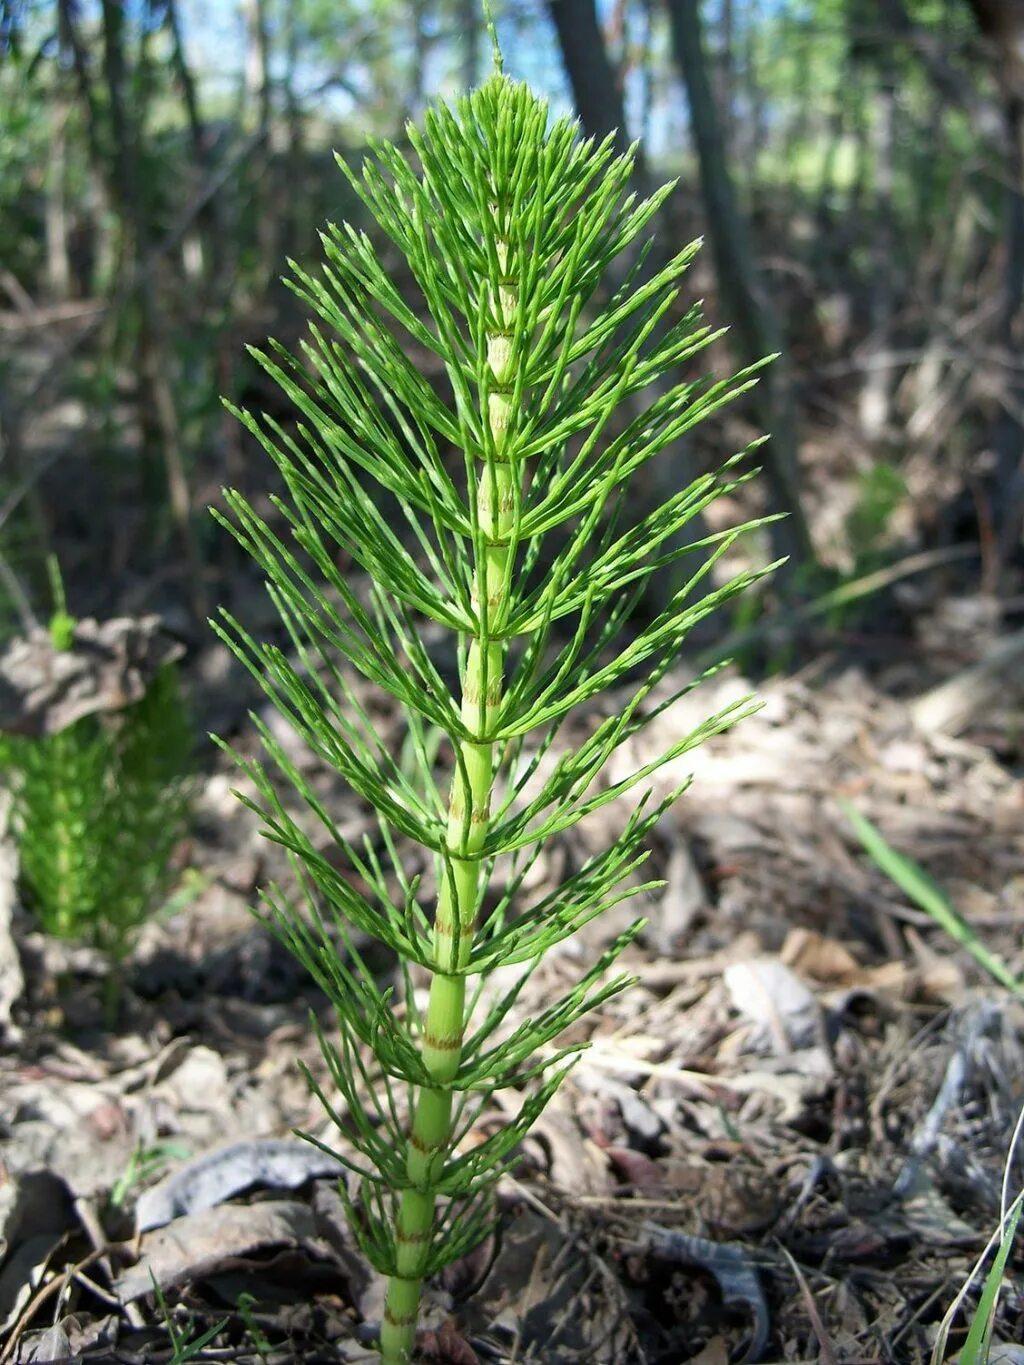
x,y
596,90
876,394
208,220
101,195
1009,435
295,225
724,74
417,89
469,27
645,67
257,119
158,415
71,42
257,64
753,327
58,259
756,133
1002,23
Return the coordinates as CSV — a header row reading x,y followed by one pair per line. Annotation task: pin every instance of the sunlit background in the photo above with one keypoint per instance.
x,y
854,165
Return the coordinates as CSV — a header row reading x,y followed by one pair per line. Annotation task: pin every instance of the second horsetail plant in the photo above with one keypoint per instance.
x,y
493,509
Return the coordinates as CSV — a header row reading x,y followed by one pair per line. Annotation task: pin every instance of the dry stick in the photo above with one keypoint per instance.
x,y
90,1221
39,1298
828,1354
23,605
154,374
17,292
958,1069
45,315
894,360
27,617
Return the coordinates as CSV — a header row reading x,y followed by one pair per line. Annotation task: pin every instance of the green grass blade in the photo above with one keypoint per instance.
x,y
915,883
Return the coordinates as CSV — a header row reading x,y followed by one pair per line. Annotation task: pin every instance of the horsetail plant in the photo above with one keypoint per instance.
x,y
511,477
98,804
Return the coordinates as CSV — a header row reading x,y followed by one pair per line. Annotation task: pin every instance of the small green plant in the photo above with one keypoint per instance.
x,y
98,809
880,492
147,1161
521,548
186,1344
977,1348
914,882
261,1344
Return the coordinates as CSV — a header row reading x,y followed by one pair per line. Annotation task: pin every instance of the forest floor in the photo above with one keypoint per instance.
x,y
786,1142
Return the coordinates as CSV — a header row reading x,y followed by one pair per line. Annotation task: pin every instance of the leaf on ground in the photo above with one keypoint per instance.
x,y
812,955
215,1177
447,1346
36,1213
108,667
45,1348
767,992
716,1352
729,1265
576,1165
193,1247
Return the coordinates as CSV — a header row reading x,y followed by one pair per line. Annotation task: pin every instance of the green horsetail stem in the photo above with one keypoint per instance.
x,y
522,240
469,809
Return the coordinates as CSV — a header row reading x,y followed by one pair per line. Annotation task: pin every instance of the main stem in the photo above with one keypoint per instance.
x,y
460,890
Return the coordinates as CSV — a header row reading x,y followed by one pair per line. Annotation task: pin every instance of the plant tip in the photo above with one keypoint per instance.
x,y
497,56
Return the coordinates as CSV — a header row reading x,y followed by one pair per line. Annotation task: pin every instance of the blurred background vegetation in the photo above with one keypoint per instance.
x,y
855,166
